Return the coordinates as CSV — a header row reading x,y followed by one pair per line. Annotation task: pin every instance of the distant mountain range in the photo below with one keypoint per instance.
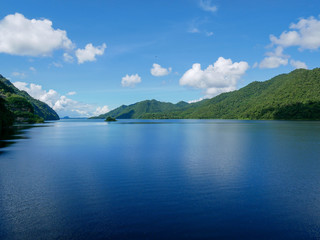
x,y
19,106
293,96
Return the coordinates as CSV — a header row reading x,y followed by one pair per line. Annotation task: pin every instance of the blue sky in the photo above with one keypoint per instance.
x,y
87,57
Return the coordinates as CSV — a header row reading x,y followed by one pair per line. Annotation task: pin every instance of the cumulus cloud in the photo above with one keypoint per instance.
x,y
274,59
89,53
60,103
31,37
298,64
49,97
207,6
21,85
273,62
130,81
32,69
159,71
63,103
220,77
101,110
305,34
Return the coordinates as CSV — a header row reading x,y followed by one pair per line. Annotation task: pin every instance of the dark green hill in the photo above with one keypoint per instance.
x,y
140,109
19,106
40,108
6,116
294,96
288,96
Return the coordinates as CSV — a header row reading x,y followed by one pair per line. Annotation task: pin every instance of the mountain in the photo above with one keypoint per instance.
x,y
6,116
292,96
19,106
288,96
140,109
40,108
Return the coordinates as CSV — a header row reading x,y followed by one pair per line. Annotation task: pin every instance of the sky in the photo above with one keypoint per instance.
x,y
84,58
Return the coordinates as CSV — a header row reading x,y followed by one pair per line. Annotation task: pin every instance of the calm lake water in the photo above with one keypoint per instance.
x,y
170,179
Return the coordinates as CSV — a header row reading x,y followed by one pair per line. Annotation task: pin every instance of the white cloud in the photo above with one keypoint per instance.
x,y
60,103
21,85
18,74
130,81
67,58
207,6
194,30
32,69
298,64
197,100
71,93
25,37
220,77
273,62
305,35
274,59
209,34
159,71
64,103
49,97
89,53
101,110
32,37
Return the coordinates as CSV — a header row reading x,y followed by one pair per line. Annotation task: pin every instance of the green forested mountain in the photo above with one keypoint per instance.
x,y
19,106
287,96
140,109
6,116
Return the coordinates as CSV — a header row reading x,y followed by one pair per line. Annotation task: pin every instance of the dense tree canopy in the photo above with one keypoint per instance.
x,y
288,96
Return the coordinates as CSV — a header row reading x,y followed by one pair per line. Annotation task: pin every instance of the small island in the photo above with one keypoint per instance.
x,y
110,119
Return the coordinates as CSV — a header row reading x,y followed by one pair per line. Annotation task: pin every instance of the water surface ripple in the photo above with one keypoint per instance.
x,y
166,179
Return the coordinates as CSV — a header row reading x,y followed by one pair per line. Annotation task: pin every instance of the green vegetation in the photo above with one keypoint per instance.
x,y
41,109
110,119
22,109
140,109
18,106
6,116
293,96
287,96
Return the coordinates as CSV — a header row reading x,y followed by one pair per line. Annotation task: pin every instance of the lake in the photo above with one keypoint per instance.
x,y
162,179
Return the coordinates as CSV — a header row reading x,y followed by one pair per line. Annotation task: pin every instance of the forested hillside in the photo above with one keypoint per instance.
x,y
295,96
138,110
19,106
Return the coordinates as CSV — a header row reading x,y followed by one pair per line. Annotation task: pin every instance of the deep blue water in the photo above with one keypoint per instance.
x,y
170,179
